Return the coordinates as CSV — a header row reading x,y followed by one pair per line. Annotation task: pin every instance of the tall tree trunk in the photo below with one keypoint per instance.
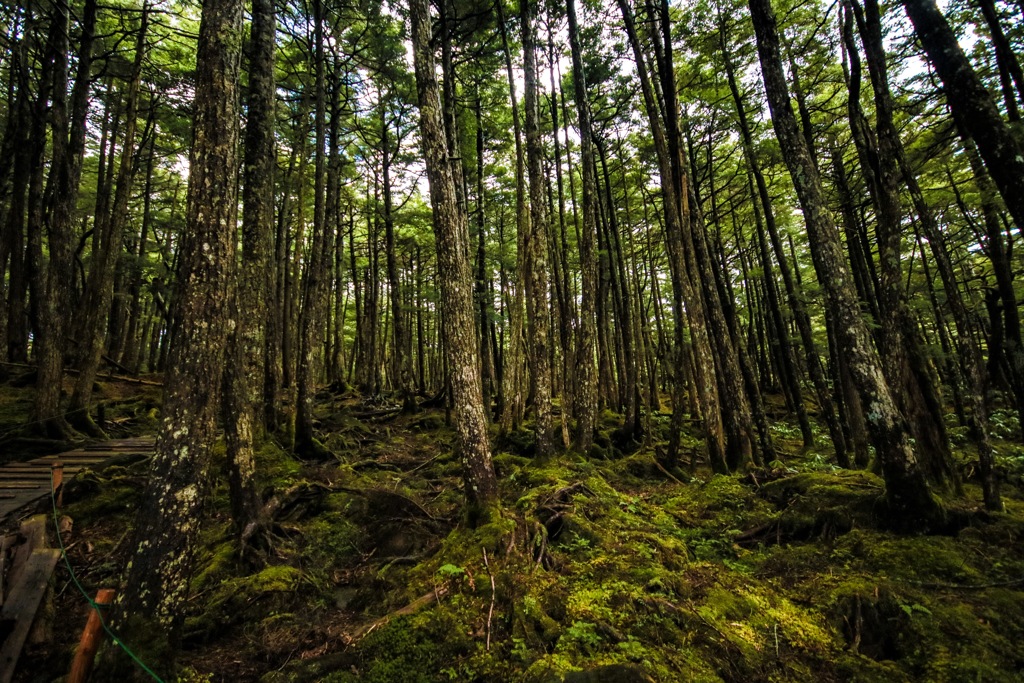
x,y
538,315
972,103
906,489
68,150
451,236
793,296
513,392
686,303
245,369
402,361
109,237
13,341
628,394
130,356
166,533
480,285
585,401
908,370
314,300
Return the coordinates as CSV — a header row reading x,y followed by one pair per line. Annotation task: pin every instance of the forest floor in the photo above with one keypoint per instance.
x,y
604,565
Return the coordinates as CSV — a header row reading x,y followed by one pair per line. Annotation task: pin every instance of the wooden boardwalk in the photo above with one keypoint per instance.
x,y
26,560
24,483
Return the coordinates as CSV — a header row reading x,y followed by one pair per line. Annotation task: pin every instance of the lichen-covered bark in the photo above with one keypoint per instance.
x,y
166,531
455,279
906,489
687,304
585,400
402,356
314,302
245,371
538,315
793,297
66,171
907,369
512,394
870,25
733,399
99,293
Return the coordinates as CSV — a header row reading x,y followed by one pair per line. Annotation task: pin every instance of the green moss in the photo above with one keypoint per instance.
x,y
826,504
109,497
278,578
786,574
417,650
214,564
241,598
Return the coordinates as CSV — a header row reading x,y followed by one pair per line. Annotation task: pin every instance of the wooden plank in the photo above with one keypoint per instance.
x,y
41,475
16,500
41,467
21,475
33,537
36,471
19,611
6,542
91,457
93,453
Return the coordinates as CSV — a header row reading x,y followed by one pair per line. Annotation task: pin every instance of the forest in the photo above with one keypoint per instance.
x,y
540,341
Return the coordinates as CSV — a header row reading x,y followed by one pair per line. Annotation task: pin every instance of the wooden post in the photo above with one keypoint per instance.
x,y
57,479
90,641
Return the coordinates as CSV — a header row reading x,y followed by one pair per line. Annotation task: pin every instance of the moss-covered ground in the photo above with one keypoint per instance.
x,y
599,569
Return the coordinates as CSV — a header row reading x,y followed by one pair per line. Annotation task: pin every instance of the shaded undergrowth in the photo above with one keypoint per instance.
x,y
603,566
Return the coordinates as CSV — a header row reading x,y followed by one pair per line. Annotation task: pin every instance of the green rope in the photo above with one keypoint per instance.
x,y
92,604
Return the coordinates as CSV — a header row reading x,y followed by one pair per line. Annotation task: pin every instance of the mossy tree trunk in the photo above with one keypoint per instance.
x,y
401,362
454,276
66,171
245,369
975,110
538,315
109,235
908,371
585,400
793,297
687,305
906,489
869,20
166,532
314,300
512,392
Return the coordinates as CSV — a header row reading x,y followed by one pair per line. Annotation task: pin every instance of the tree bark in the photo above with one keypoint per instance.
x,y
108,247
245,369
909,372
166,531
66,169
538,314
662,113
513,393
451,236
314,301
906,489
973,104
